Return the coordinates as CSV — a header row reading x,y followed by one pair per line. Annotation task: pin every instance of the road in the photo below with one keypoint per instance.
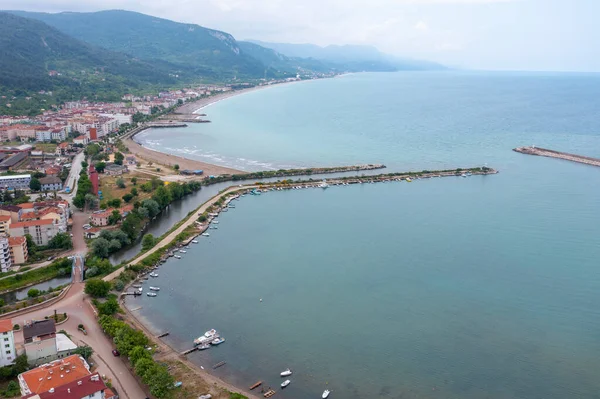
x,y
80,311
74,173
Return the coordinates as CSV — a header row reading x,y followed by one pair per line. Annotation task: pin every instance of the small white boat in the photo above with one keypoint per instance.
x,y
408,179
155,288
215,221
153,274
325,393
206,234
177,257
183,251
324,184
285,383
214,227
194,241
203,347
286,373
151,294
217,341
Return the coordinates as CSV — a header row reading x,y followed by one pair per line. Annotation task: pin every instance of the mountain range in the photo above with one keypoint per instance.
x,y
108,52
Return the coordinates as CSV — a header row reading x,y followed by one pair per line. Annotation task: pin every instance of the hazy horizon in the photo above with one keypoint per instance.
x,y
516,35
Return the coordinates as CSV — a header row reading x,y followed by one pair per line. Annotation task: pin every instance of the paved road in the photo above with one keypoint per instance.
x,y
74,173
80,311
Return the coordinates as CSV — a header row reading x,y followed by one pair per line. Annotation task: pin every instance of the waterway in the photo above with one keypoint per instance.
x,y
479,287
18,295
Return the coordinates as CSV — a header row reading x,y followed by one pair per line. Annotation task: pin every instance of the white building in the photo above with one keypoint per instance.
x,y
7,340
120,118
15,181
5,260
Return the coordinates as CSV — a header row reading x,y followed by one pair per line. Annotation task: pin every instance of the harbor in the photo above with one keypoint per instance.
x,y
544,152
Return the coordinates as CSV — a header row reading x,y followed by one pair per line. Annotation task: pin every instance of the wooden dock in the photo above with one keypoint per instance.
x,y
269,393
162,335
186,352
220,364
256,385
544,152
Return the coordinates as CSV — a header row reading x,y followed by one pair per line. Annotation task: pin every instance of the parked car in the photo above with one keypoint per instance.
x,y
116,352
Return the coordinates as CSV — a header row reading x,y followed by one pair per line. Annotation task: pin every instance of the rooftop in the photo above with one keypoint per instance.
x,y
12,241
54,374
30,223
38,328
63,343
6,325
11,177
50,180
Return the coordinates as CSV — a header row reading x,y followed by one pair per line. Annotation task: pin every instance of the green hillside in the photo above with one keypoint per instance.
x,y
211,53
30,50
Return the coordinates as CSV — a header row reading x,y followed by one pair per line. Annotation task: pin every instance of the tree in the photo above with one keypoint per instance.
x,y
176,166
61,241
84,165
148,241
12,389
100,166
84,351
152,207
114,203
100,247
127,197
110,307
120,183
91,200
33,293
162,196
142,365
1,302
34,184
97,288
138,353
134,192
202,218
119,157
119,285
114,217
134,180
31,246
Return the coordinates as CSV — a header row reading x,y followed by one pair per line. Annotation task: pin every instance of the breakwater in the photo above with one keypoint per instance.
x,y
544,152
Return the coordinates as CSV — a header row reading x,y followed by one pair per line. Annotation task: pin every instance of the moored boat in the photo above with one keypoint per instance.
x,y
194,241
285,373
217,341
151,294
202,347
206,234
177,257
285,383
325,393
155,288
153,274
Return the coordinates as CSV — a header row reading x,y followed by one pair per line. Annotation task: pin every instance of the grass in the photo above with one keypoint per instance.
x,y
193,386
31,277
46,147
108,186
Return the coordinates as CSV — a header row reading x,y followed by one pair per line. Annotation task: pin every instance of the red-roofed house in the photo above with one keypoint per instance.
x,y
81,140
7,339
18,250
53,375
88,387
41,231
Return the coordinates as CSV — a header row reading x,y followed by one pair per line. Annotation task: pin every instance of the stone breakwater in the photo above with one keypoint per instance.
x,y
544,152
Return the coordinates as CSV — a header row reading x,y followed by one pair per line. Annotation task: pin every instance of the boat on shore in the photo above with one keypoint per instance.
x,y
285,383
286,373
325,393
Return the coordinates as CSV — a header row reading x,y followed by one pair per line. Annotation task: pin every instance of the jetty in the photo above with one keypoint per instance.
x,y
544,152
162,335
269,393
256,385
220,364
165,124
188,351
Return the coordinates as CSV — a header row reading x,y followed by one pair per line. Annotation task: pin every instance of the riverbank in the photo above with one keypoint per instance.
x,y
221,202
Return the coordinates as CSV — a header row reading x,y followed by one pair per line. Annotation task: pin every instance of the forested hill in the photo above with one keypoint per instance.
x,y
213,54
31,51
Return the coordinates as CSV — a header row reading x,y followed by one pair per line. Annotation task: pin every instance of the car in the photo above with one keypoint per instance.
x,y
115,352
50,258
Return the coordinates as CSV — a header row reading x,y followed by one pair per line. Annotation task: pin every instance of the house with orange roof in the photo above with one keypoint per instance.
x,y
87,387
42,231
53,374
18,250
8,353
5,221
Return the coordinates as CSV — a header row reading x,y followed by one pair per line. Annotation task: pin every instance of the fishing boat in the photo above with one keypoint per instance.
x,y
177,257
183,251
217,341
285,383
286,373
408,179
151,294
153,274
194,241
155,288
325,393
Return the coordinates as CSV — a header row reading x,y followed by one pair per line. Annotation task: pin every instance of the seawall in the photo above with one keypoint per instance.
x,y
544,152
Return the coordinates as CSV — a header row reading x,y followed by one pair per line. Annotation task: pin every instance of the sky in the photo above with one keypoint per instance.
x,y
538,35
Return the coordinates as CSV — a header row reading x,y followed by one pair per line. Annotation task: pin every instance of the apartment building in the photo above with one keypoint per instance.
x,y
8,352
18,250
41,231
5,258
20,182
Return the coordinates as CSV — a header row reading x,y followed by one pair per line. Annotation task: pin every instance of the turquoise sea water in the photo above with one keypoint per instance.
x,y
485,287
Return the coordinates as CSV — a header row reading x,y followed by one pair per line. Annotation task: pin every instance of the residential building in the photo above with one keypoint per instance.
x,y
4,223
53,374
112,169
18,250
20,182
63,149
41,231
51,183
39,337
81,140
120,118
11,210
5,260
101,218
7,340
88,387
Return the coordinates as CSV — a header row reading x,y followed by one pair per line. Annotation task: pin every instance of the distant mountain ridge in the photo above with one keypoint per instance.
x,y
351,57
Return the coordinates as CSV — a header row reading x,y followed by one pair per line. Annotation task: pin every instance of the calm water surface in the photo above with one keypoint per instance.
x,y
485,287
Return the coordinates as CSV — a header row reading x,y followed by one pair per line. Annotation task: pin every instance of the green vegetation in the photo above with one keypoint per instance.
x,y
97,288
148,242
60,267
84,187
33,293
132,343
84,351
10,372
35,184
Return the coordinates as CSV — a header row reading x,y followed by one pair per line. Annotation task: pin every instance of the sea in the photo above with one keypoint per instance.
x,y
477,287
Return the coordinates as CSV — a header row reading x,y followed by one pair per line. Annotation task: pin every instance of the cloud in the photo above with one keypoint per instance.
x,y
422,26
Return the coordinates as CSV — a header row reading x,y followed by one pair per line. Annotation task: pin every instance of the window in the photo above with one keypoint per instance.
x,y
8,352
5,339
7,346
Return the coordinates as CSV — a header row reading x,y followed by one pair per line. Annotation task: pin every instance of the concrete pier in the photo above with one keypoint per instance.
x,y
544,152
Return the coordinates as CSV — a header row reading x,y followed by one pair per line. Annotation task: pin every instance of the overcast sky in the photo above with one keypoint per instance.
x,y
559,35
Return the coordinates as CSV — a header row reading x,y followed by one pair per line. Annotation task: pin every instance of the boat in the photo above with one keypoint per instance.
x,y
463,175
408,179
183,251
206,234
286,373
208,336
155,288
325,393
153,274
194,241
151,294
215,221
217,341
177,257
214,227
285,383
231,206
324,184
202,347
